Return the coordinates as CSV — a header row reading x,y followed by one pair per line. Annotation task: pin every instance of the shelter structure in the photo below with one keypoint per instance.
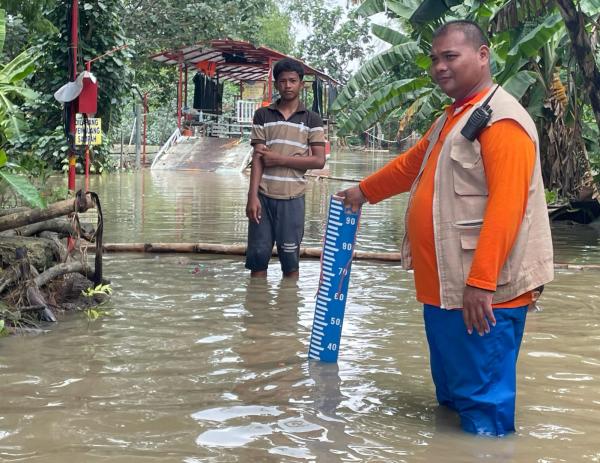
x,y
244,64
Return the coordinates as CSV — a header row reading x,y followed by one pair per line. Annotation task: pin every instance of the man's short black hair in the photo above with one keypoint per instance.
x,y
473,33
288,65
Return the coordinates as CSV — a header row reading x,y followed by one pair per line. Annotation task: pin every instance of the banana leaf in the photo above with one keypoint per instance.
x,y
374,68
519,83
530,45
385,100
371,7
401,8
23,188
19,68
389,35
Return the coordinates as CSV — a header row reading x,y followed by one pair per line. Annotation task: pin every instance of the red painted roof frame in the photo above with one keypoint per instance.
x,y
254,63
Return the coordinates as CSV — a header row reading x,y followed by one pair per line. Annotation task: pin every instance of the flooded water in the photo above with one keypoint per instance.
x,y
194,362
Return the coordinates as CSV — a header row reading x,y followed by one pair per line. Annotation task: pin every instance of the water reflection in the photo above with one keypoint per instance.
x,y
327,396
196,362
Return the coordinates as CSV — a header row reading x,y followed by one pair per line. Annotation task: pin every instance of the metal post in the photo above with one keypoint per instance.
x,y
179,90
74,45
121,157
145,109
138,133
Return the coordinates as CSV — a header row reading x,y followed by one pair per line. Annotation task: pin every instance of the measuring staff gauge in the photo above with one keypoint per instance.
x,y
336,261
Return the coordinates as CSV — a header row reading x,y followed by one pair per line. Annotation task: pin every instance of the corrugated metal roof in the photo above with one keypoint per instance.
x,y
236,60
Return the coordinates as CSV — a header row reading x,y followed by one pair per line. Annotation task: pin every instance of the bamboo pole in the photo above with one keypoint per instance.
x,y
240,250
330,177
234,249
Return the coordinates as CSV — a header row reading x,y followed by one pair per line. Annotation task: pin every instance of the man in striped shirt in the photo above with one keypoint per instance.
x,y
288,139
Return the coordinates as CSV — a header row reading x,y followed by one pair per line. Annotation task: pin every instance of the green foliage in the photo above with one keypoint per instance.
x,y
14,91
377,66
517,84
513,54
387,99
3,330
155,25
275,31
100,31
2,29
529,46
23,187
100,289
389,35
591,137
93,313
146,26
394,8
336,40
551,196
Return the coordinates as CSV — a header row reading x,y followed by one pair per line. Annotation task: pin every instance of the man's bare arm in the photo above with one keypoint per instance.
x,y
315,160
253,208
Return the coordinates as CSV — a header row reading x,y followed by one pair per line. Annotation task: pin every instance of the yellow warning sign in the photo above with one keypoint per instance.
x,y
88,131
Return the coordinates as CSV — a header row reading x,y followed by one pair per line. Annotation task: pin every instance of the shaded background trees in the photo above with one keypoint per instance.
x,y
542,54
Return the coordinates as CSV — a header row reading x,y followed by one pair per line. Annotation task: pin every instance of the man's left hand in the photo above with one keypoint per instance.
x,y
269,157
477,309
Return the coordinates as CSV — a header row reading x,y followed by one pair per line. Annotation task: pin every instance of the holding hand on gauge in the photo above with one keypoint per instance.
x,y
352,197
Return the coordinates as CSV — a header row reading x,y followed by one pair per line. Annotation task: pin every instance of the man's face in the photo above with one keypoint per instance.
x,y
289,85
456,66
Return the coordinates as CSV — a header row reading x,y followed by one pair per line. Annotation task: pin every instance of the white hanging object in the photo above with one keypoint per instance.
x,y
71,90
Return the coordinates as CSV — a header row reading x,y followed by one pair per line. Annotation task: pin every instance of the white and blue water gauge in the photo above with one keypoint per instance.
x,y
336,261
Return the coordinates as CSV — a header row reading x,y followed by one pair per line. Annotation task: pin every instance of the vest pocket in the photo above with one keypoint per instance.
x,y
469,237
467,168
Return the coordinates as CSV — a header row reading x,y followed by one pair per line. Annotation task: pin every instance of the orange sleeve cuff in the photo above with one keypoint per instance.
x,y
481,284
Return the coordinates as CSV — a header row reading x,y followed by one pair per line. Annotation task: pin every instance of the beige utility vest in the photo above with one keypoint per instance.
x,y
459,203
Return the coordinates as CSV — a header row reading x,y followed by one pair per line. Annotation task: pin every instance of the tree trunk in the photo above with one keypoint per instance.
x,y
584,54
81,203
63,227
63,269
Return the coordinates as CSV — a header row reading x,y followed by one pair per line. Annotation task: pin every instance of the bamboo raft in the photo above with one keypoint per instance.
x,y
305,252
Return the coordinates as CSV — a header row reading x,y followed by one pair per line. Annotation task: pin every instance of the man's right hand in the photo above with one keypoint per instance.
x,y
353,198
253,208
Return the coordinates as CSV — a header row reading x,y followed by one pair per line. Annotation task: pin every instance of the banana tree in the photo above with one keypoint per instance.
x,y
378,86
12,120
529,56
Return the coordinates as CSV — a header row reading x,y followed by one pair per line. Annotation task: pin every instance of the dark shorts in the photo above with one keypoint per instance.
x,y
282,222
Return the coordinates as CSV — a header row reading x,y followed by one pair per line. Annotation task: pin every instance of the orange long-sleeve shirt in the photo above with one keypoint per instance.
x,y
508,157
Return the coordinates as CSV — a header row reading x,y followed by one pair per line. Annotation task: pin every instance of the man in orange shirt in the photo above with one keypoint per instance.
x,y
477,232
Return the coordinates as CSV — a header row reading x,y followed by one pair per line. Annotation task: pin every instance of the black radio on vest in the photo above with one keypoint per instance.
x,y
478,119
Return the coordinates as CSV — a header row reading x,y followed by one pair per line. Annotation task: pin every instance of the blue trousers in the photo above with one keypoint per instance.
x,y
476,375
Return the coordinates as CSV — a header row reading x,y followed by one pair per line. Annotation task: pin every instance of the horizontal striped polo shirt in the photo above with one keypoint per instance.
x,y
291,137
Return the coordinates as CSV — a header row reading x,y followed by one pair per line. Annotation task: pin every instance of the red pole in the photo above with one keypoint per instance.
x,y
185,83
74,45
145,108
179,93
